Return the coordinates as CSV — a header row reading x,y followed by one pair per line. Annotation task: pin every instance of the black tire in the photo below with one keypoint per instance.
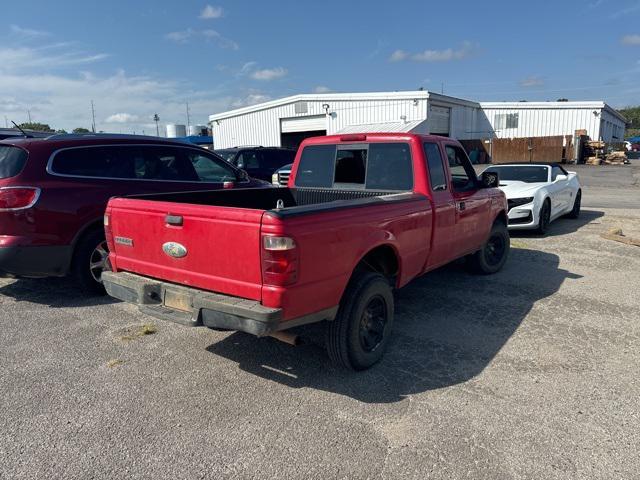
x,y
358,337
494,253
85,269
575,211
544,217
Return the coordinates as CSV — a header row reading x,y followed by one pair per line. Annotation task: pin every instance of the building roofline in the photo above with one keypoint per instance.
x,y
319,97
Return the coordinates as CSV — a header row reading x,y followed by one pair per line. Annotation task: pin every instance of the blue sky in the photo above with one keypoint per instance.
x,y
137,58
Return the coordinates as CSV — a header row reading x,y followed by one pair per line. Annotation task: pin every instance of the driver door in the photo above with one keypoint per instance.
x,y
472,204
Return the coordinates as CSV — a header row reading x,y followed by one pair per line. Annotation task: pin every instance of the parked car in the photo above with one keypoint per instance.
x,y
259,162
538,194
54,190
363,214
280,177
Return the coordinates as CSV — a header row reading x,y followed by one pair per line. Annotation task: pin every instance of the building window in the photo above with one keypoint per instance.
x,y
506,120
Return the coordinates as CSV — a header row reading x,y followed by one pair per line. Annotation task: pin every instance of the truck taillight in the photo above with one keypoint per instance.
x,y
18,198
107,232
279,260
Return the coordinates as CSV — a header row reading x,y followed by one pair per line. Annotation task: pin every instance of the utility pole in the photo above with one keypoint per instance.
x,y
156,118
29,115
442,88
93,118
6,122
188,117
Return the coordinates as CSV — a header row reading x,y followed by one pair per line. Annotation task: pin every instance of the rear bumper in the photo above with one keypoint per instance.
x,y
40,261
194,307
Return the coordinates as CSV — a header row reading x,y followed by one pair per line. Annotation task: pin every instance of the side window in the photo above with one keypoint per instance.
x,y
95,162
389,167
316,166
463,177
437,175
163,163
351,166
248,160
211,170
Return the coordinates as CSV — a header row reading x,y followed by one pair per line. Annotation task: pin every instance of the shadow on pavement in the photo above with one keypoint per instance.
x,y
449,326
562,226
54,292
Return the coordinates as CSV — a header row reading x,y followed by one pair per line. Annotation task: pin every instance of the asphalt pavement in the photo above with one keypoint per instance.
x,y
527,374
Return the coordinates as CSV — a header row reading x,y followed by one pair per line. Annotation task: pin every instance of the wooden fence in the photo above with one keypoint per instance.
x,y
557,149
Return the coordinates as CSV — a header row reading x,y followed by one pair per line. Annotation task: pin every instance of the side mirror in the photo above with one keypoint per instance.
x,y
243,176
560,178
489,180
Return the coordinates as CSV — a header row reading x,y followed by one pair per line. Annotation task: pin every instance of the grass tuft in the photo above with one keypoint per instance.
x,y
518,244
140,331
114,362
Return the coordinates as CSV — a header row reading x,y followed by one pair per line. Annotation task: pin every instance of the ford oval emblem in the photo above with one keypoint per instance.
x,y
174,249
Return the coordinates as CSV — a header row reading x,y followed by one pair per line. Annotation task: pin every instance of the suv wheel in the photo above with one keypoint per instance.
x,y
358,337
89,260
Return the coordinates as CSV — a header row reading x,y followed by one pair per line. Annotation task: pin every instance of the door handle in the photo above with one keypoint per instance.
x,y
461,206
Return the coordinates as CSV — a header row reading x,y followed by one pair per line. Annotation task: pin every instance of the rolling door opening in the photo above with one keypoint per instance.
x,y
439,120
295,130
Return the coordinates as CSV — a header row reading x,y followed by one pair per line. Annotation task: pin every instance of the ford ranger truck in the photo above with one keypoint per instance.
x,y
362,214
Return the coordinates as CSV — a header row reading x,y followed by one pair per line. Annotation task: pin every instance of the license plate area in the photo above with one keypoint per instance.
x,y
177,301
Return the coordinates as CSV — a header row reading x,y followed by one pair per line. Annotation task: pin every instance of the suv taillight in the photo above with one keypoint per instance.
x,y
18,198
279,261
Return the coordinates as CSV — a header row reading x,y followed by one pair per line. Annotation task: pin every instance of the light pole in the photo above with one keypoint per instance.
x,y
156,118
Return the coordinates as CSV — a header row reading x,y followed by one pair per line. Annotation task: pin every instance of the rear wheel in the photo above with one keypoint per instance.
x,y
575,211
89,260
493,255
544,217
358,337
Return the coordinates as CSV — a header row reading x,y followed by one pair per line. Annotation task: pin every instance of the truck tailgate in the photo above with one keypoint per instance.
x,y
213,248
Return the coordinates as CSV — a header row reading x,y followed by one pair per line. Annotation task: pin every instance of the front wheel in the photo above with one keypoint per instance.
x,y
575,211
544,217
89,260
493,255
358,337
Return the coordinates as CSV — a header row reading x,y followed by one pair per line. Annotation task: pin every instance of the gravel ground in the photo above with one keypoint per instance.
x,y
530,373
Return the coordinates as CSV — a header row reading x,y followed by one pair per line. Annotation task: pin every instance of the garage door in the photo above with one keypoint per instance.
x,y
303,124
439,120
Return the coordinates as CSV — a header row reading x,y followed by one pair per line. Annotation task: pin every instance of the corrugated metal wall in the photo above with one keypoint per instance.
x,y
542,122
263,127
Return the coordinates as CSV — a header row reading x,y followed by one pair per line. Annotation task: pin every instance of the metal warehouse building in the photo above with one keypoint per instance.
x,y
545,119
288,121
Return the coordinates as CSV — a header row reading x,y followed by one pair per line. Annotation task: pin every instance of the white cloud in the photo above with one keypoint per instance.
x,y
184,36
221,41
21,58
532,81
625,11
210,12
27,32
268,74
322,89
250,99
181,36
121,118
631,39
446,55
398,56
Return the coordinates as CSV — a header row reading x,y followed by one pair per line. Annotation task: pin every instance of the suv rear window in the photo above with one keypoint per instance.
x,y
12,161
374,166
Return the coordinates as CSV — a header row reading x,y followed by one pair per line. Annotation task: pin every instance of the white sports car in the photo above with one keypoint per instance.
x,y
538,194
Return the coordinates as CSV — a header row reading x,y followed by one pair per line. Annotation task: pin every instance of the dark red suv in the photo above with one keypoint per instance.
x,y
53,192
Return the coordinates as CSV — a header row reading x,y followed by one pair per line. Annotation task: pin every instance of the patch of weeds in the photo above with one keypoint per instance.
x,y
114,362
139,331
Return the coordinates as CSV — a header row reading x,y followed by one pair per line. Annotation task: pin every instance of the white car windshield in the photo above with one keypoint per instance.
x,y
528,174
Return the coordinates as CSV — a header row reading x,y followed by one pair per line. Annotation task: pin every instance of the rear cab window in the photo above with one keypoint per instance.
x,y
372,166
12,161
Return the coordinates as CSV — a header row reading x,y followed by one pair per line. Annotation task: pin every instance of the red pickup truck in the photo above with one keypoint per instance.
x,y
362,214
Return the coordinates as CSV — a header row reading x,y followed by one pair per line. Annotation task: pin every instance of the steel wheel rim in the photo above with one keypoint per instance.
x,y
495,249
372,324
98,261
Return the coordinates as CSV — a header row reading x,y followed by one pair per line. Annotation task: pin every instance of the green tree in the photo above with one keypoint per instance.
x,y
38,127
632,114
81,130
61,130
